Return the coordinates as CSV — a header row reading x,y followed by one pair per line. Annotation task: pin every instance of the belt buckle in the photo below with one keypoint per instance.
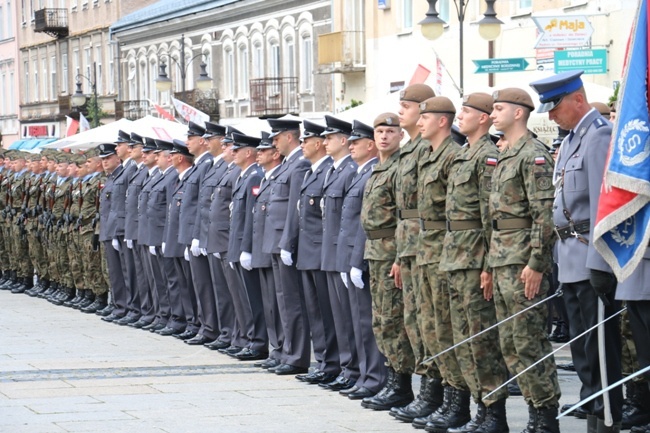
x,y
557,232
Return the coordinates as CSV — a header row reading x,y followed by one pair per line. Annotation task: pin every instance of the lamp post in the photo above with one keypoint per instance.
x,y
164,83
79,99
489,27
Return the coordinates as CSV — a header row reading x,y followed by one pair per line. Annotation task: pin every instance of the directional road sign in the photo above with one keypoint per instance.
x,y
590,61
492,66
567,31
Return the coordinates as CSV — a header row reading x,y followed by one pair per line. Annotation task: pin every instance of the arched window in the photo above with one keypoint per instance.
x,y
242,70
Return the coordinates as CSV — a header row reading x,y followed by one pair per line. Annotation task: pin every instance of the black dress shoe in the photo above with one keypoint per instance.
x,y
361,393
320,377
139,324
106,311
345,392
126,320
269,363
580,412
112,317
286,369
231,350
185,335
568,366
217,344
151,325
302,377
165,332
338,384
247,354
198,339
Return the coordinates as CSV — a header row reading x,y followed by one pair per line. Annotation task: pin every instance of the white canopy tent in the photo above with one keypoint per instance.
x,y
101,134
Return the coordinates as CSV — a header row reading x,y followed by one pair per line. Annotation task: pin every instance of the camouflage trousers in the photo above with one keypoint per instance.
x,y
20,252
523,338
75,258
412,313
435,323
480,359
104,265
51,252
37,251
629,360
388,318
93,275
60,247
4,256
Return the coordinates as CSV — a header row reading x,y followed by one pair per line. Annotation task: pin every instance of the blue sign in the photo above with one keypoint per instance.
x,y
591,61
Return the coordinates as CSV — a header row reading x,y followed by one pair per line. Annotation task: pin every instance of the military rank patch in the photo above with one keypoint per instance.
x,y
544,182
487,183
491,161
256,190
540,160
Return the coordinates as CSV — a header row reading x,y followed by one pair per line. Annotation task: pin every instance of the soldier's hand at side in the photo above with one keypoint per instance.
x,y
152,250
396,273
486,285
116,244
344,277
532,281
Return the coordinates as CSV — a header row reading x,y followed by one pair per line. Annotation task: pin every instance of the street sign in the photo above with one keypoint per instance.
x,y
590,61
568,31
493,66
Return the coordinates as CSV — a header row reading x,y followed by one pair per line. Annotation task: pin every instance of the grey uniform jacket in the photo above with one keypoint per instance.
x,y
108,225
144,225
581,162
131,213
220,211
174,199
158,206
260,259
285,185
118,199
241,221
333,194
206,195
190,202
309,221
352,237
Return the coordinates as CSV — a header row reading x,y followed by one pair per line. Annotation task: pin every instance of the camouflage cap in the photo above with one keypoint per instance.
x,y
91,153
34,157
479,101
603,109
386,119
437,104
416,93
513,95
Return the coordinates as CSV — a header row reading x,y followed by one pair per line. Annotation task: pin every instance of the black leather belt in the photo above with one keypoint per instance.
x,y
572,230
512,224
432,225
380,233
454,226
407,214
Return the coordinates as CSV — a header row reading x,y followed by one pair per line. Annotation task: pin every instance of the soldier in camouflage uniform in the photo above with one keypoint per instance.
x,y
4,258
46,288
404,270
520,253
379,221
464,258
32,214
20,181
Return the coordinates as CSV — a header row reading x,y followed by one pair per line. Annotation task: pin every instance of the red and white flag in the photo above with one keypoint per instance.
x,y
71,126
162,112
84,125
190,113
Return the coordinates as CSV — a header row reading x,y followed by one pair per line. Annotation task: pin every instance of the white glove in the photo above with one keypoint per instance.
x,y
204,252
232,265
162,248
116,244
194,248
245,259
186,254
356,276
344,277
286,257
152,250
217,255
129,243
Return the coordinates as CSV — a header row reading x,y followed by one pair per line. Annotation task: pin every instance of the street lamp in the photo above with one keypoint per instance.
x,y
79,99
164,84
489,27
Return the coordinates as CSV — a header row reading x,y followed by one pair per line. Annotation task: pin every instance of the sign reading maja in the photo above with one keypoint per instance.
x,y
568,31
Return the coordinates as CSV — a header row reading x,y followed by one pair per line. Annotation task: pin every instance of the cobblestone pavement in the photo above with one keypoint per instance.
x,y
64,371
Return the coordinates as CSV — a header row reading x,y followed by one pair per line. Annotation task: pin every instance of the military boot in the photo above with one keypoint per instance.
x,y
495,419
532,420
546,420
427,402
457,415
474,423
24,284
50,289
637,410
399,394
421,422
424,382
382,392
602,428
66,295
99,303
4,276
641,429
592,423
79,295
89,298
10,281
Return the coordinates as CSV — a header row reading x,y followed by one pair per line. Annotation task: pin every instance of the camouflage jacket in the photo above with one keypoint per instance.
x,y
58,194
433,174
379,210
406,196
522,187
90,191
468,194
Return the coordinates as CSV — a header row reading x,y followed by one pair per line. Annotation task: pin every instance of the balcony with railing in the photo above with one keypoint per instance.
x,y
52,21
204,100
274,96
131,110
341,52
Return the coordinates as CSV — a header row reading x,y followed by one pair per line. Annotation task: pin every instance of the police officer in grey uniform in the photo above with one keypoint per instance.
x,y
584,274
337,180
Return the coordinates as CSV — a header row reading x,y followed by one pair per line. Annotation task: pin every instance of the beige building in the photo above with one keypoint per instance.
x,y
9,126
63,42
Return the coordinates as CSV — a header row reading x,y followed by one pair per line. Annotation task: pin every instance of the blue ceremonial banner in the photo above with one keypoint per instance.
x,y
622,228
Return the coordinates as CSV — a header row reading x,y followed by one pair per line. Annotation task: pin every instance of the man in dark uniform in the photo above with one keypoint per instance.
x,y
583,273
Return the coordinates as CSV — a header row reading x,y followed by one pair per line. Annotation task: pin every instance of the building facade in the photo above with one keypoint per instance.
x,y
9,79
